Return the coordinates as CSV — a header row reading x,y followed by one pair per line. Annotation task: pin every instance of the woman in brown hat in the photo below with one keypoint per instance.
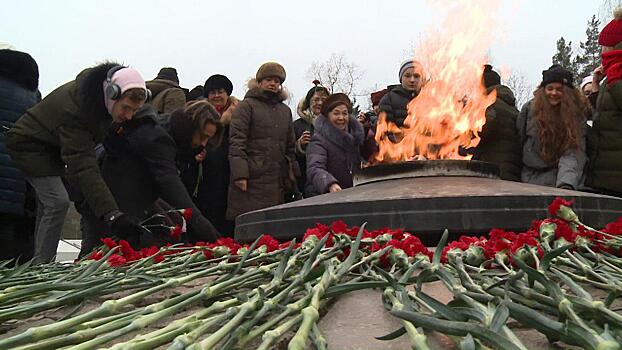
x,y
261,145
334,149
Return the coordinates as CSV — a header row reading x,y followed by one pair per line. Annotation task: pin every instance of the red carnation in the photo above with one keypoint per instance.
x,y
128,252
116,260
339,227
398,234
208,254
375,247
562,230
521,240
187,213
147,252
268,241
562,209
614,228
499,241
412,246
96,255
320,230
109,242
175,231
556,205
227,242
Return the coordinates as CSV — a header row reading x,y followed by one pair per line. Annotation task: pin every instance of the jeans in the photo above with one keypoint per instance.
x,y
52,205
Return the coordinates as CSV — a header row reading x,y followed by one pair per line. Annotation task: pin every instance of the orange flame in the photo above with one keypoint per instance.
x,y
450,110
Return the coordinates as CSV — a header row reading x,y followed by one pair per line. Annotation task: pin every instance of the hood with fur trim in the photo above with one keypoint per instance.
x,y
232,104
254,91
305,114
90,89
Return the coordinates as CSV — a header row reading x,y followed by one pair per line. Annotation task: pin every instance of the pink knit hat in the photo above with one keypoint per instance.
x,y
126,79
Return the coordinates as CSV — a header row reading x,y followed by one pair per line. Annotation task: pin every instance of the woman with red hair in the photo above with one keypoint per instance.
x,y
552,129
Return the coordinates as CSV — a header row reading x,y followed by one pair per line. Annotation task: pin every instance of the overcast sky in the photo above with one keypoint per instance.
x,y
201,38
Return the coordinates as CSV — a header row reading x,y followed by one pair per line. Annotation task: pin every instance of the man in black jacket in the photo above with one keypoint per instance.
x,y
140,165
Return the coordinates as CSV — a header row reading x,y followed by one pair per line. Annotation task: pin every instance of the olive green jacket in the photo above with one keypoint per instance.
x,y
57,137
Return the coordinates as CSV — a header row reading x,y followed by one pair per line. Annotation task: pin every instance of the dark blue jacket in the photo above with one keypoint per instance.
x,y
14,101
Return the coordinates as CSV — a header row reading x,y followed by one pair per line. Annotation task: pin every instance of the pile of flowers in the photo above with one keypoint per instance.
x,y
257,295
499,246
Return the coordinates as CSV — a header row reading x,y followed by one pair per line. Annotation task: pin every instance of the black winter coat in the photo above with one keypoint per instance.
x,y
500,143
139,166
302,124
208,183
605,141
332,155
395,104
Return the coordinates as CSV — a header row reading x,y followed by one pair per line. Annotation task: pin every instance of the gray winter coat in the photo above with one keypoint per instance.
x,y
332,155
569,169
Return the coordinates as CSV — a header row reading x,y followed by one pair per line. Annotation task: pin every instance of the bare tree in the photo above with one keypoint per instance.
x,y
518,83
337,74
606,10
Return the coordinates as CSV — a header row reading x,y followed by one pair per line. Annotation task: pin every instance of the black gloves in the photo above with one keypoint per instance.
x,y
126,227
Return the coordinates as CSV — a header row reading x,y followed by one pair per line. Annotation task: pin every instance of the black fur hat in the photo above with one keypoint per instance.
x,y
20,68
217,81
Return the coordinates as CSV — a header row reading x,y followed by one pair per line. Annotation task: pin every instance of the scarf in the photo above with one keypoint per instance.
x,y
612,66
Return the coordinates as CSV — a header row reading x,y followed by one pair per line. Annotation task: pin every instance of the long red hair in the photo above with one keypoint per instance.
x,y
558,126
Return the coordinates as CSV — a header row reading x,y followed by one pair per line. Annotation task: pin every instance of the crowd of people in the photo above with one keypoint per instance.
x,y
123,149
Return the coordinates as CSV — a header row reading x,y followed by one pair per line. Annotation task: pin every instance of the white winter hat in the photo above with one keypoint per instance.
x,y
586,81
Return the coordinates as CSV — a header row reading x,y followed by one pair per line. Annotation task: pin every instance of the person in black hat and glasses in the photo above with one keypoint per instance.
x,y
552,130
